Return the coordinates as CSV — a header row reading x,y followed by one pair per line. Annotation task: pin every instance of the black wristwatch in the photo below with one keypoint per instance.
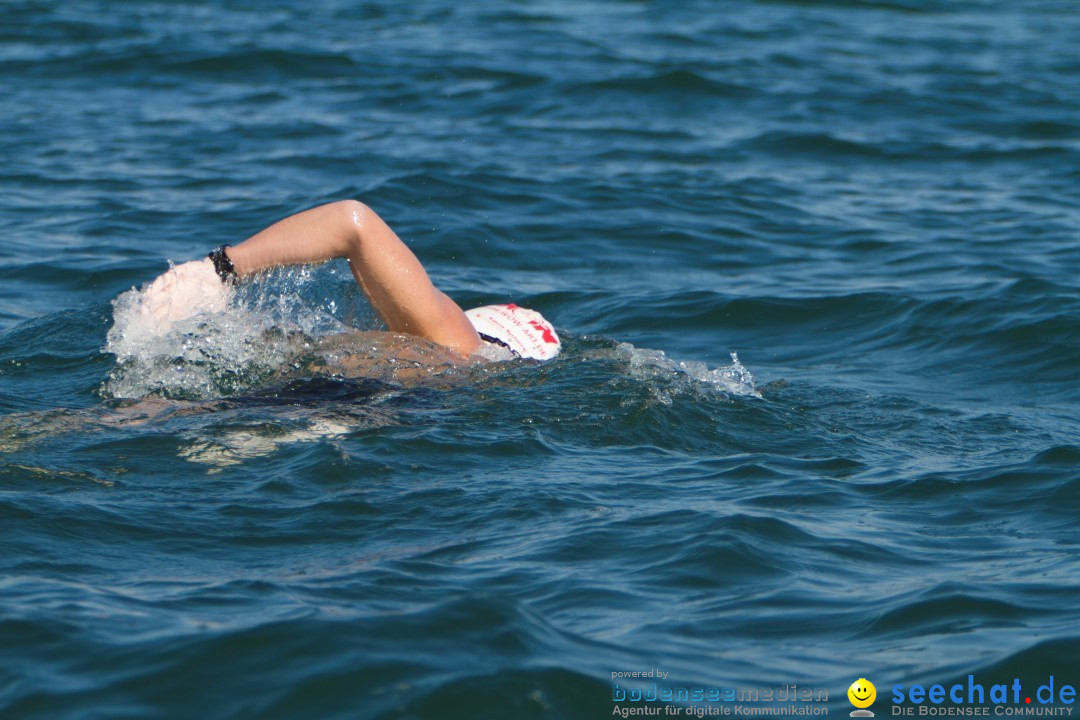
x,y
223,265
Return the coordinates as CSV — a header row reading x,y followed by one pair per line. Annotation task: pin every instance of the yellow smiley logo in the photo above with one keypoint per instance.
x,y
862,693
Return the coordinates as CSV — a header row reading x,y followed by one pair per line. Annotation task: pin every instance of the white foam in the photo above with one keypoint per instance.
x,y
216,349
647,364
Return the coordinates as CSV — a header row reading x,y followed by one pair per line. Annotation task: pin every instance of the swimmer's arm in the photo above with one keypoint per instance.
x,y
387,271
312,236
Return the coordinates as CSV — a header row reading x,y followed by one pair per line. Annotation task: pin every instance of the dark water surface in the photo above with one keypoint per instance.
x,y
874,203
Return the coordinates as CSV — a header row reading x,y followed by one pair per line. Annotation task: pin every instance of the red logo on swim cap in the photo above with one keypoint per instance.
x,y
549,336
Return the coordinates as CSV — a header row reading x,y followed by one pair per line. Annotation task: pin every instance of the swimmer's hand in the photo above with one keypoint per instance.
x,y
185,290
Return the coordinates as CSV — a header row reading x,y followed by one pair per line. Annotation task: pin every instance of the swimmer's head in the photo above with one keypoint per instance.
x,y
524,332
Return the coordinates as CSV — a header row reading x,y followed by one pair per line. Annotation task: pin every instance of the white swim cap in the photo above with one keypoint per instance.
x,y
524,331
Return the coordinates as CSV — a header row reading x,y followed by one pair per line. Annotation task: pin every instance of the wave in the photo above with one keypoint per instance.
x,y
501,655
249,64
680,82
786,143
915,7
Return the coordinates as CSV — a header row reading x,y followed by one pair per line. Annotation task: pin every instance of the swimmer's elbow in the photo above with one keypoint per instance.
x,y
354,216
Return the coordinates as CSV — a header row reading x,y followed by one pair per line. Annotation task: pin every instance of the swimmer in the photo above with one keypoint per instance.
x,y
430,335
390,275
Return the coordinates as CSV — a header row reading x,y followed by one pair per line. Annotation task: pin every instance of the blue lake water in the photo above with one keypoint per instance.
x,y
875,204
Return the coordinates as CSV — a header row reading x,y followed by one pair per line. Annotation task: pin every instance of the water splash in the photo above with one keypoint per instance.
x,y
217,351
650,365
